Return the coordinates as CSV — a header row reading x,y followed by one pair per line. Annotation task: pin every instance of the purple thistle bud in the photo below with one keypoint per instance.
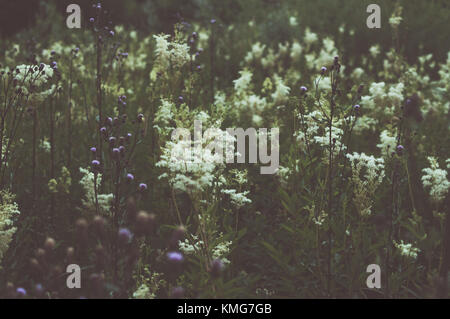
x,y
130,177
180,98
103,130
99,5
213,21
53,52
21,292
356,107
112,140
125,54
111,33
122,149
140,117
93,149
95,163
142,187
54,64
400,149
116,152
125,235
175,257
323,70
109,121
77,49
303,89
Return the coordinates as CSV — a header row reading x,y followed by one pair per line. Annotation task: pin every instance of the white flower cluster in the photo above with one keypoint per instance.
x,y
436,180
87,183
191,169
237,199
8,212
281,90
170,54
256,52
243,82
163,116
387,143
221,251
367,175
382,99
336,136
407,250
27,73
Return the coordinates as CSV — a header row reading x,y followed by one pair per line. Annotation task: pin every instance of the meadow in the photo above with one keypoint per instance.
x,y
358,119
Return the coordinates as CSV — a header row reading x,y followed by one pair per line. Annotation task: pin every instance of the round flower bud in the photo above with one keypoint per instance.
x,y
125,235
49,244
142,187
21,292
116,153
175,257
130,177
303,89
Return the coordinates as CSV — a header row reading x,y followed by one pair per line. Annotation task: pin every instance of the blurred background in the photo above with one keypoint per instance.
x,y
425,28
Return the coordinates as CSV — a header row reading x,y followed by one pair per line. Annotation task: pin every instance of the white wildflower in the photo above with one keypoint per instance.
x,y
407,250
436,180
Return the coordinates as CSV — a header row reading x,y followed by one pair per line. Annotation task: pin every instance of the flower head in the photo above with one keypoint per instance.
x,y
175,257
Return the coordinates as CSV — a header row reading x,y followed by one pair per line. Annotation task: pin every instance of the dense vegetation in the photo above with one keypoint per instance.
x,y
88,176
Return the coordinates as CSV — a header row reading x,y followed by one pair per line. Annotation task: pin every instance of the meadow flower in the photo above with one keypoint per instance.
x,y
435,179
296,50
125,235
388,143
255,53
407,250
242,84
237,199
175,257
374,50
87,184
367,175
221,251
9,210
21,292
310,37
142,187
281,90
